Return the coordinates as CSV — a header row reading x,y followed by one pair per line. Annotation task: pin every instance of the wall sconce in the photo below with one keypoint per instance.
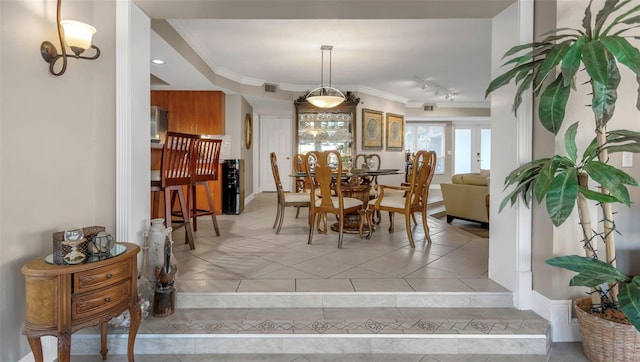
x,y
71,33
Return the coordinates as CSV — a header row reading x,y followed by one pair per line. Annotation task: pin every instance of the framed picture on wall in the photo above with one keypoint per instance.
x,y
395,132
372,129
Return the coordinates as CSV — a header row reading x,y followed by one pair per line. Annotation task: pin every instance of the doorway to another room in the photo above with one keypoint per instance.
x,y
275,136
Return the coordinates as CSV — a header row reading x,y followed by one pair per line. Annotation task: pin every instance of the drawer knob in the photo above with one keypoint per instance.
x,y
107,300
109,276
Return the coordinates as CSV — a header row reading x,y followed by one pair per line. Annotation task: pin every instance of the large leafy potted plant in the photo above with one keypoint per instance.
x,y
566,181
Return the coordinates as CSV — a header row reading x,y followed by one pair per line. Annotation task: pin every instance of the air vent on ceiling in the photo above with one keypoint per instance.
x,y
429,107
270,88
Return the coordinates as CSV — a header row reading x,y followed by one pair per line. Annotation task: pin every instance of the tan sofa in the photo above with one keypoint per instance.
x,y
467,197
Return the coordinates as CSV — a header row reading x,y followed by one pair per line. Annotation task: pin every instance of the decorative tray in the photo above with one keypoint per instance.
x,y
115,251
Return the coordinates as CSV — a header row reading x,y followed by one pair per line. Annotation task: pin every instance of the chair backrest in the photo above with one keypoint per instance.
x,y
177,159
424,165
276,174
365,161
324,165
207,151
300,166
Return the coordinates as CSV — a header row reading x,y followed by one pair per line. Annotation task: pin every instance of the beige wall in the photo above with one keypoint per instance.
x,y
57,145
547,240
236,109
389,159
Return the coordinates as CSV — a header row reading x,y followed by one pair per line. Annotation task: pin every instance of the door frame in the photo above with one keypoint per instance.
x,y
132,155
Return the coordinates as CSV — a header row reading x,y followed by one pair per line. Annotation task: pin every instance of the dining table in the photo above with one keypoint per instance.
x,y
355,183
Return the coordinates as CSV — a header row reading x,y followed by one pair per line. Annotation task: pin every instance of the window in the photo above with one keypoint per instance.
x,y
426,136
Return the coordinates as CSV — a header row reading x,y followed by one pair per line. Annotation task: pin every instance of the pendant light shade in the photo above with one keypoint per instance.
x,y
325,96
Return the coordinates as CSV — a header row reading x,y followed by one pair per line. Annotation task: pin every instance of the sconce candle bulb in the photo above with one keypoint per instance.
x,y
77,35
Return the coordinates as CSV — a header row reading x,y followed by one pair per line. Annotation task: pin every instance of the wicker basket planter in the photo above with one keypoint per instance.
x,y
603,340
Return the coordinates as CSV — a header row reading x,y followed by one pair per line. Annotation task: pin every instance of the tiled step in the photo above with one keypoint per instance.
x,y
485,331
346,300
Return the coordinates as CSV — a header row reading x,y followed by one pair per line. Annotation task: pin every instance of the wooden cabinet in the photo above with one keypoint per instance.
x,y
196,112
61,299
319,129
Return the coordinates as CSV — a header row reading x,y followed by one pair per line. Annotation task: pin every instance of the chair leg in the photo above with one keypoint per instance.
x,y
211,207
321,218
312,217
425,225
173,201
341,227
297,211
168,207
155,204
413,216
390,222
275,222
187,222
194,206
407,221
363,215
281,218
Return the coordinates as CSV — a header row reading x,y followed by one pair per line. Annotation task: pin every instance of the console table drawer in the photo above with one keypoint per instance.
x,y
90,304
101,277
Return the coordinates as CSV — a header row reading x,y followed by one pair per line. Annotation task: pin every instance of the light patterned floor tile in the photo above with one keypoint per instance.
x,y
249,249
267,285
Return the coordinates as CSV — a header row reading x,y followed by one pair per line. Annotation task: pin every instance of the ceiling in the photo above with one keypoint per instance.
x,y
208,45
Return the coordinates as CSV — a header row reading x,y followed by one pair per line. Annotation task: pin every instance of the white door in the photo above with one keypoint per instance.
x,y
275,136
472,147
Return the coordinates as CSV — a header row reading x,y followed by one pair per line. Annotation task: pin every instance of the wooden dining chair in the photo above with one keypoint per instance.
x,y
285,199
414,200
175,173
205,169
324,166
299,167
369,162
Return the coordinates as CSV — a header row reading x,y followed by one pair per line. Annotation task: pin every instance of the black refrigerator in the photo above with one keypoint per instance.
x,y
232,187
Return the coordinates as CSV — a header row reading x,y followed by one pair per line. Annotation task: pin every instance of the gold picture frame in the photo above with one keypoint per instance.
x,y
395,132
372,129
248,130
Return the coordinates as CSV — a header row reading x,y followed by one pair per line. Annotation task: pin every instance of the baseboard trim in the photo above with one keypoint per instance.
x,y
564,328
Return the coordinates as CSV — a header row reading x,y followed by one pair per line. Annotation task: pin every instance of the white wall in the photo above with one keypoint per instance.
x,y
505,267
57,143
132,140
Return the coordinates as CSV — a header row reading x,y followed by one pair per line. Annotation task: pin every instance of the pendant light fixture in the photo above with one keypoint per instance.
x,y
323,96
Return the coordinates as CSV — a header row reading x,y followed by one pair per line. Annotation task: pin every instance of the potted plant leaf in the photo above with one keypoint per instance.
x,y
564,182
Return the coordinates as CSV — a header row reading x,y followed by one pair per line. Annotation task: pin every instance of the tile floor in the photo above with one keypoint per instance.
x,y
250,257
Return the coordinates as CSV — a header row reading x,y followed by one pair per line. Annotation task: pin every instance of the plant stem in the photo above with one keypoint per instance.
x,y
607,212
590,249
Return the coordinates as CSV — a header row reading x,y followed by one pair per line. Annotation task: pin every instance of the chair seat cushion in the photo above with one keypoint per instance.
x,y
349,202
390,201
296,197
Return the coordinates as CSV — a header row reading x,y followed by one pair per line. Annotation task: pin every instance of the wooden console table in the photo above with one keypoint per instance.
x,y
61,299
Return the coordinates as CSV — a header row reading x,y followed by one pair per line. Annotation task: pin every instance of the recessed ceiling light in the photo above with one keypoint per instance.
x,y
157,61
